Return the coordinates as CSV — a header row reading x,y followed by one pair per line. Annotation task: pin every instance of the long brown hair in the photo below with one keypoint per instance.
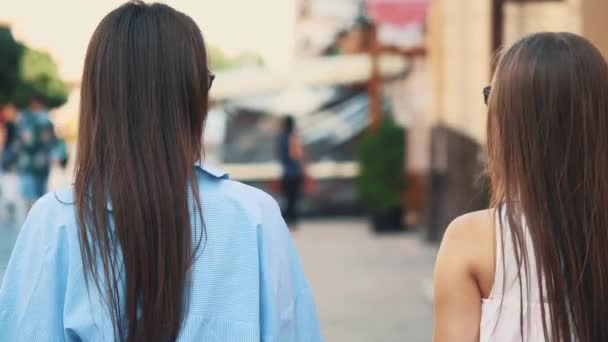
x,y
144,102
548,161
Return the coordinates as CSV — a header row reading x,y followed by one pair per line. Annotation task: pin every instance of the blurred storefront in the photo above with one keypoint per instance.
x,y
463,38
326,89
373,28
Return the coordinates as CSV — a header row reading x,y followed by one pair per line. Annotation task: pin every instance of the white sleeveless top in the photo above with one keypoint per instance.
x,y
500,312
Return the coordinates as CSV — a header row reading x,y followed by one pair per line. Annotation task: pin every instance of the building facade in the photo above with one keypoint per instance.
x,y
462,39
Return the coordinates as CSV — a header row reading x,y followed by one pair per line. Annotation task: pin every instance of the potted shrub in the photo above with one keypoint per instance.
x,y
382,180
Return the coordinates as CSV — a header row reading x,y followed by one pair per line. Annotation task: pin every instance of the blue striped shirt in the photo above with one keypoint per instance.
x,y
247,284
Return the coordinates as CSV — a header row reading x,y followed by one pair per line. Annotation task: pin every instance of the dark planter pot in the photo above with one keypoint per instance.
x,y
387,220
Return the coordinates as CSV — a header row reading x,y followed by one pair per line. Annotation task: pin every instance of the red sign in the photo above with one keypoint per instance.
x,y
398,12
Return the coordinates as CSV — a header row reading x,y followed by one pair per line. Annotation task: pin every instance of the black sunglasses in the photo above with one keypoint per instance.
x,y
486,94
211,78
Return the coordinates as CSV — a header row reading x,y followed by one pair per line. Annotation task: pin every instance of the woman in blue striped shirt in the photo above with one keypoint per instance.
x,y
150,244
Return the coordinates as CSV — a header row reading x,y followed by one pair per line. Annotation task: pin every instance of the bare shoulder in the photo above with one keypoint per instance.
x,y
470,240
472,227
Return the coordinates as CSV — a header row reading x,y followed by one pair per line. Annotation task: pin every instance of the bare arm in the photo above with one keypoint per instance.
x,y
466,251
296,151
2,137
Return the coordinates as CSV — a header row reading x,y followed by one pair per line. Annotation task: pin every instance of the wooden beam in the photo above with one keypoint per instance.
x,y
375,83
416,51
498,19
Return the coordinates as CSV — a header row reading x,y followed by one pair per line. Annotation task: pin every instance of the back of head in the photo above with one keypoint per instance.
x,y
547,142
289,124
37,102
143,105
7,112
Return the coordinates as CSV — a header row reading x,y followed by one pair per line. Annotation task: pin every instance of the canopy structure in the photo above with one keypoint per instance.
x,y
297,100
400,13
323,71
400,22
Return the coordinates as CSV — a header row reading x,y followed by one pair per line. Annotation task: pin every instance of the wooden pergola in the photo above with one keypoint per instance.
x,y
404,12
374,84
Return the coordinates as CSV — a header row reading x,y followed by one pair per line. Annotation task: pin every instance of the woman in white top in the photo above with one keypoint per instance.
x,y
535,266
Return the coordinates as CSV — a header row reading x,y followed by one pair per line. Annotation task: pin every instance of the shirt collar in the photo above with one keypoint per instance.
x,y
211,171
216,173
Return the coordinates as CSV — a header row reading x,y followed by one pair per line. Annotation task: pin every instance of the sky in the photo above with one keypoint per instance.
x,y
64,27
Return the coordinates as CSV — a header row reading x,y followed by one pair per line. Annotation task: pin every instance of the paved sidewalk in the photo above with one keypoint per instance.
x,y
368,288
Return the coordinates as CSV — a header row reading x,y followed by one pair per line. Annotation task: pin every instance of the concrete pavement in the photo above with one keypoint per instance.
x,y
368,288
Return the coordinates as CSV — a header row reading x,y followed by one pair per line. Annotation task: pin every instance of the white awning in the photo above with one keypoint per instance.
x,y
323,71
295,101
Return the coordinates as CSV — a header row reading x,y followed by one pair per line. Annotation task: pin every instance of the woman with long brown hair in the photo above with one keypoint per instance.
x,y
150,244
535,267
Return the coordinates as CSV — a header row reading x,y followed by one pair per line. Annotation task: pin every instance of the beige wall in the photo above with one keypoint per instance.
x,y
460,56
586,17
595,23
459,45
435,56
523,19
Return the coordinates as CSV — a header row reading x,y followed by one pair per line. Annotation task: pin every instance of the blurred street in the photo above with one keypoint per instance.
x,y
367,287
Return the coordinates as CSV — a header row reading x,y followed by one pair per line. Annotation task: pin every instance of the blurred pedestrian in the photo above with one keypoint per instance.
x,y
8,133
291,157
31,151
534,267
59,150
150,244
12,205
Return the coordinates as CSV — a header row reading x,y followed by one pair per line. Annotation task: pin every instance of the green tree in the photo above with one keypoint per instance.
x,y
39,75
382,157
25,72
10,56
217,59
220,61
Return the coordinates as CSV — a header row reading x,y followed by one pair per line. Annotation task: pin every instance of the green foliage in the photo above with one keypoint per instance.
x,y
39,75
220,61
10,56
382,178
25,72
